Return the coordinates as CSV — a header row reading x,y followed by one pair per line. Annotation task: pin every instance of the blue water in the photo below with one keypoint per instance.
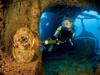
x,y
47,29
91,25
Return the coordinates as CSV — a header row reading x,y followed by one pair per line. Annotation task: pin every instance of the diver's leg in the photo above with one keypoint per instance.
x,y
50,48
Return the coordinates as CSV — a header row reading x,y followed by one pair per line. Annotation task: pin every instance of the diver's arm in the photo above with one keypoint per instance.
x,y
73,35
57,32
70,40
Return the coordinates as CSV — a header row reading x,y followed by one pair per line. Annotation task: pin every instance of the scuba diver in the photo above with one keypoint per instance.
x,y
63,34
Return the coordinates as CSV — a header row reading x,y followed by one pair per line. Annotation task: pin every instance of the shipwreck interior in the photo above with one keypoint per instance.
x,y
24,24
51,19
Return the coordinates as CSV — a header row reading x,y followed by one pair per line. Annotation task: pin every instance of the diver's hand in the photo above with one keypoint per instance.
x,y
58,42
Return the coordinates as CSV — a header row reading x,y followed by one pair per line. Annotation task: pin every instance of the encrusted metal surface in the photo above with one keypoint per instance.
x,y
24,46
